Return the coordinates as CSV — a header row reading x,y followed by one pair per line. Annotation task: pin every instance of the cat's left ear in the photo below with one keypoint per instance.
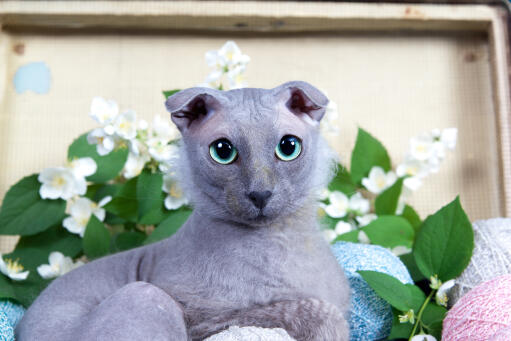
x,y
190,107
301,98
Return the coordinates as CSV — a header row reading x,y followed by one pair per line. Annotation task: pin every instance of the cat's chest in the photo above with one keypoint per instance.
x,y
260,271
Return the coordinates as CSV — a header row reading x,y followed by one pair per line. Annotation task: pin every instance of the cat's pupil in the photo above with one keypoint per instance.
x,y
288,145
223,149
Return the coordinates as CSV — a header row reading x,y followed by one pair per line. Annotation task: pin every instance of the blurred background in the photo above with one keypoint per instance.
x,y
395,69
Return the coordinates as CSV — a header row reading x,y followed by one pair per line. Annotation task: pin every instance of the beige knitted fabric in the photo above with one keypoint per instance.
x,y
491,257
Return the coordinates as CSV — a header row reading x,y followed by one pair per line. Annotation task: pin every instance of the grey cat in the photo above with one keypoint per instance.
x,y
251,254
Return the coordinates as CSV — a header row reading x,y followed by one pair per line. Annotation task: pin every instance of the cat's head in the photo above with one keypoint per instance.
x,y
251,155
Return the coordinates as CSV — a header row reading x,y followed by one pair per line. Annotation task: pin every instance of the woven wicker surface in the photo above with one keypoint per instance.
x,y
394,85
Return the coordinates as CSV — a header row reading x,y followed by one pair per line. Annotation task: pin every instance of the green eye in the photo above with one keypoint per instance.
x,y
288,148
222,151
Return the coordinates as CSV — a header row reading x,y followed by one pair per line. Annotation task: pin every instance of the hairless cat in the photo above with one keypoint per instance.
x,y
252,163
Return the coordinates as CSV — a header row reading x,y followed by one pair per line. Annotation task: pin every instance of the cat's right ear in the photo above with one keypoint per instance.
x,y
191,106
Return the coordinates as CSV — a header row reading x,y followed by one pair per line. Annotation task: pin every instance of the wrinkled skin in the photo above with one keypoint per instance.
x,y
232,262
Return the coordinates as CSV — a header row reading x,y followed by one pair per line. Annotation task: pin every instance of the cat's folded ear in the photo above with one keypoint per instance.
x,y
191,106
302,98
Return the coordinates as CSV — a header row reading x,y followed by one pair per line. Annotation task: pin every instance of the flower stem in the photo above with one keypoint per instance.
x,y
419,314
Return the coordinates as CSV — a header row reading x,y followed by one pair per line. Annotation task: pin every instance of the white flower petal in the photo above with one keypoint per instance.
x,y
46,271
329,235
103,111
343,227
363,238
83,167
18,276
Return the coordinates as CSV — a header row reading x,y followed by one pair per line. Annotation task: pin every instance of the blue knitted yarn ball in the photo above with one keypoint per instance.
x,y
371,316
10,315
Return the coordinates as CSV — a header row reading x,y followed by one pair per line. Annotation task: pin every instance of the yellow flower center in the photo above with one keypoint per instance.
x,y
13,266
380,182
175,191
58,181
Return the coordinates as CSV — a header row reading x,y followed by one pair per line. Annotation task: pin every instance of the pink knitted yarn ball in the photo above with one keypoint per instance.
x,y
482,313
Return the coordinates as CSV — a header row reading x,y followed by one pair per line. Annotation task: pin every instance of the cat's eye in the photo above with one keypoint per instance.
x,y
288,148
223,152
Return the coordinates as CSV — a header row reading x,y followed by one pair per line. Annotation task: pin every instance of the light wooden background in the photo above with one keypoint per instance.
x,y
394,84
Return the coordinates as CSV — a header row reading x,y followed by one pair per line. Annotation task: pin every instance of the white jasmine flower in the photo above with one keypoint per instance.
x,y
423,337
80,211
236,77
329,124
365,219
343,227
441,294
175,197
228,55
104,142
103,111
161,150
449,137
408,316
358,204
422,147
58,265
134,165
142,125
125,125
363,238
324,194
163,130
329,235
60,182
339,204
378,180
400,250
82,167
137,147
12,269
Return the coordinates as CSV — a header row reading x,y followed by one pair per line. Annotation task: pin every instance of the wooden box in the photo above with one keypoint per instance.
x,y
394,69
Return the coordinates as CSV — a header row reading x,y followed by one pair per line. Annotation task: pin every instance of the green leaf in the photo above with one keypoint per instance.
x,y
96,240
418,297
6,288
368,152
125,204
399,330
27,291
342,181
386,202
105,191
169,226
390,231
168,93
412,216
409,261
129,240
33,251
109,166
24,212
390,289
351,236
444,243
149,192
432,318
328,222
157,214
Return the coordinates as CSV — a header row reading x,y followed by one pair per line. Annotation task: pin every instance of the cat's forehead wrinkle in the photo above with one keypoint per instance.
x,y
251,104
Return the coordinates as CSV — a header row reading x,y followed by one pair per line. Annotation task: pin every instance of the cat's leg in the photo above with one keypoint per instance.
x,y
137,311
305,320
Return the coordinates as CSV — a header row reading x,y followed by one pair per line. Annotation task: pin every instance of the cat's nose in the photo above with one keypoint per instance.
x,y
259,199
